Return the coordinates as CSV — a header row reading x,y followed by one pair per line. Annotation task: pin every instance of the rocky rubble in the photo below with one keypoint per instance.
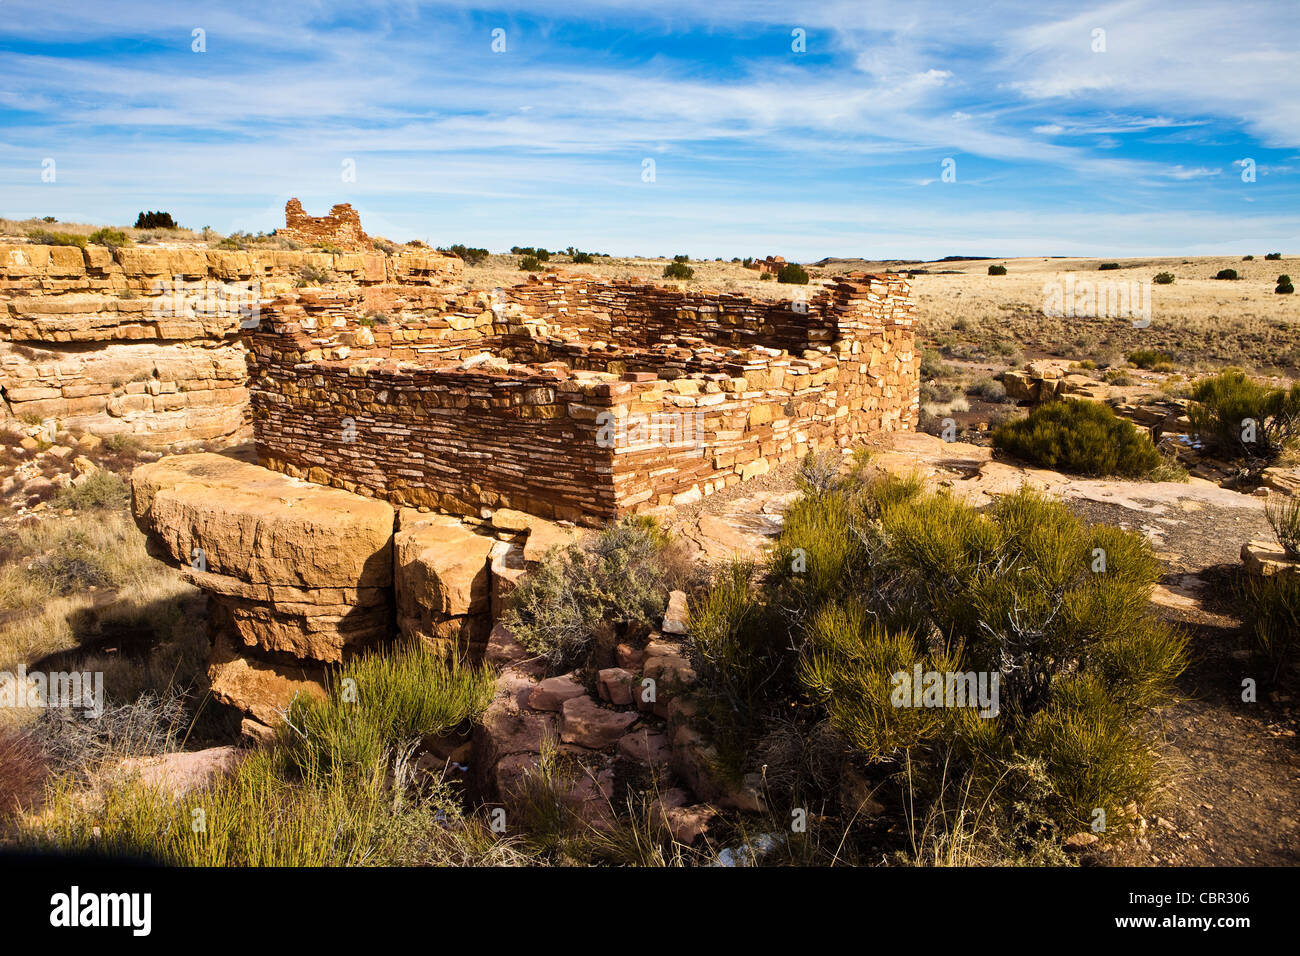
x,y
629,729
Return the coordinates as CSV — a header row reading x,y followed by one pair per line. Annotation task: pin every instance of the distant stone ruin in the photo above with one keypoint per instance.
x,y
341,228
769,266
573,398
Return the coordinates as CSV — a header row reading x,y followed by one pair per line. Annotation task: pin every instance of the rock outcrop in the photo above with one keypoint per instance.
x,y
297,575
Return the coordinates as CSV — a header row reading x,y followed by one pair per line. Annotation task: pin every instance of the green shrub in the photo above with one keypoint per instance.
x,y
617,578
1271,606
381,699
1107,266
1163,278
1284,518
1284,286
468,254
100,489
892,577
43,237
997,270
792,274
1224,406
1149,358
530,264
1273,256
681,258
343,793
113,238
988,389
747,261
1079,436
1226,274
581,257
678,270
738,644
932,365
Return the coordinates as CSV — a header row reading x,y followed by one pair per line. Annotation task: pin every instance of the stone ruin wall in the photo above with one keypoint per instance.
x,y
147,341
342,227
481,402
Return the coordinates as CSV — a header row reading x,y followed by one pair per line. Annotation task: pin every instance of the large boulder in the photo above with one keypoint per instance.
x,y
259,526
442,578
297,575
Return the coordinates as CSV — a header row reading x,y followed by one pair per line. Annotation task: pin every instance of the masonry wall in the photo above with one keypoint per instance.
x,y
549,400
147,341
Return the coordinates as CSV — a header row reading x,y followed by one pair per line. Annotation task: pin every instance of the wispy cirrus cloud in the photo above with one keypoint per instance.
x,y
456,143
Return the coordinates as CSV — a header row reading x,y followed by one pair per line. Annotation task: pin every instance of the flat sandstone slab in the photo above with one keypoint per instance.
x,y
260,526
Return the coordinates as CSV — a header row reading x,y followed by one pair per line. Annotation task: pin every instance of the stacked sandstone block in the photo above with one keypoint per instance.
x,y
147,340
300,577
558,407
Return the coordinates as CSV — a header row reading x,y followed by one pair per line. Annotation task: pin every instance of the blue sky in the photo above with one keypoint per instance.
x,y
1057,148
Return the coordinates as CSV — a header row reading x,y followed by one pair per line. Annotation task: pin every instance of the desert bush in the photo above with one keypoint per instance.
x,y
43,237
346,795
936,392
309,274
1284,518
1149,358
470,255
988,389
1107,266
530,264
618,577
681,258
792,274
1079,436
1284,286
997,270
1226,274
582,257
932,365
100,489
1245,417
1163,278
392,696
1271,614
1273,256
678,270
1117,376
113,238
892,577
155,220
76,747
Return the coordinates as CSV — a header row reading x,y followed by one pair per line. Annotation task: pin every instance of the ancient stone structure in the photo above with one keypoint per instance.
x,y
571,397
146,340
769,266
341,228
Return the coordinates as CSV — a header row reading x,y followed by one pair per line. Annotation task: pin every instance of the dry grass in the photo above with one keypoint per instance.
x,y
43,610
1203,322
21,227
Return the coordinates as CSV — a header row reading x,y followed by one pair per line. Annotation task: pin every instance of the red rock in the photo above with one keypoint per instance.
x,y
616,685
551,693
629,656
646,748
586,723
